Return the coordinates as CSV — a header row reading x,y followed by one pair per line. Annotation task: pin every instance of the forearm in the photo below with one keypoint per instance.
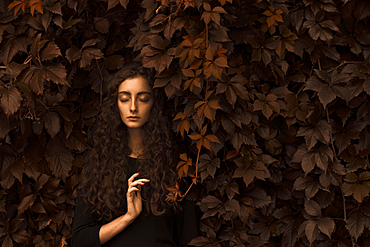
x,y
114,227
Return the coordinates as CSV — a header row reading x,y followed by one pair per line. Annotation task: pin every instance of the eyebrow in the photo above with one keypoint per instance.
x,y
139,93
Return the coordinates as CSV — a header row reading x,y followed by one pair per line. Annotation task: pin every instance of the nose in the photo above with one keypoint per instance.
x,y
133,107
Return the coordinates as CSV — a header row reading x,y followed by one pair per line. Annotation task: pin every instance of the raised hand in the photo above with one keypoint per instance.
x,y
134,202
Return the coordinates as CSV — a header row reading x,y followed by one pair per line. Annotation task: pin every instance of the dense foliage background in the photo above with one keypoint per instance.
x,y
270,97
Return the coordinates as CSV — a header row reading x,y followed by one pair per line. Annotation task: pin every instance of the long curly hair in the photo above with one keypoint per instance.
x,y
106,169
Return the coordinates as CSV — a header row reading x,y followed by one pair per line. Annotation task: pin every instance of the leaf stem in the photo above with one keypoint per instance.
x,y
196,176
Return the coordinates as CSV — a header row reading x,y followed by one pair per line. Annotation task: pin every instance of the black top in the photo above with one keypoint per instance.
x,y
169,230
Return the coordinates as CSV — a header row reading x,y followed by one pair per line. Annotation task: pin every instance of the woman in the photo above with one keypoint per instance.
x,y
125,178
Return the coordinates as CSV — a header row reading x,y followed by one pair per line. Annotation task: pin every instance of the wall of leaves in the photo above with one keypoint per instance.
x,y
269,97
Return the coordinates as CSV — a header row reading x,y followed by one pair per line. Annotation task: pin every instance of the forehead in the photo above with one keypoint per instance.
x,y
134,85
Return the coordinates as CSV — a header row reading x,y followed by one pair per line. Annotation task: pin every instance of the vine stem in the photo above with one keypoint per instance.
x,y
344,199
196,176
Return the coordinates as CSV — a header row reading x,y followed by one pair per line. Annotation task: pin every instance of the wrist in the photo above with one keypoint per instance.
x,y
128,218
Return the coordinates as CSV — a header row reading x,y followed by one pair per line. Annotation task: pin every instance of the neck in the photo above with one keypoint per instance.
x,y
135,142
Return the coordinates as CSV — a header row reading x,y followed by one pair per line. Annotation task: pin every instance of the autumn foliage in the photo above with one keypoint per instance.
x,y
269,100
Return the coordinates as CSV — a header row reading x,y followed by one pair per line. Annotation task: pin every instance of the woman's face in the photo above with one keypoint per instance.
x,y
135,101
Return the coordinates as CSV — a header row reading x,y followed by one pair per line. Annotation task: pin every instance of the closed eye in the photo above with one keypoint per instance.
x,y
124,97
144,98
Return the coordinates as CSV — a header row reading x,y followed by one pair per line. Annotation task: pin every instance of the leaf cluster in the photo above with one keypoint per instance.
x,y
269,101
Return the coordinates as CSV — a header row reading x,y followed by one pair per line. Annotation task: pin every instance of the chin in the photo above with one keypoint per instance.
x,y
133,125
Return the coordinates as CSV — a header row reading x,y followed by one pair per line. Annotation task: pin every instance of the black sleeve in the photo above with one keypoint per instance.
x,y
186,223
85,230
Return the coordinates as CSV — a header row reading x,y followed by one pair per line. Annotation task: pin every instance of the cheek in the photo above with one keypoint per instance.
x,y
121,108
148,109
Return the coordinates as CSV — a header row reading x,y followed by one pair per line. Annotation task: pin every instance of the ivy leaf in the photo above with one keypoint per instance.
x,y
10,100
359,187
17,5
17,169
12,47
26,203
59,157
249,171
312,230
355,223
52,123
259,198
201,241
101,24
50,52
312,208
326,225
73,54
183,125
76,140
320,131
183,165
273,16
36,5
267,104
112,4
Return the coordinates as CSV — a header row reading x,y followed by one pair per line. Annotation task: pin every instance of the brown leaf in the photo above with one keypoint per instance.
x,y
355,223
26,203
101,24
59,157
50,52
73,53
312,231
52,123
326,225
10,100
312,208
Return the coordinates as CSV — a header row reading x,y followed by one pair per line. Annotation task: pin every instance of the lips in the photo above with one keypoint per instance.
x,y
133,118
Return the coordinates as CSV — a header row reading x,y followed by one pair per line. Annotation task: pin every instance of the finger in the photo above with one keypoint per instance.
x,y
139,182
132,189
133,177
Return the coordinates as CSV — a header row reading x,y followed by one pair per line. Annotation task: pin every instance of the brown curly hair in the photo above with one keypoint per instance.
x,y
106,170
